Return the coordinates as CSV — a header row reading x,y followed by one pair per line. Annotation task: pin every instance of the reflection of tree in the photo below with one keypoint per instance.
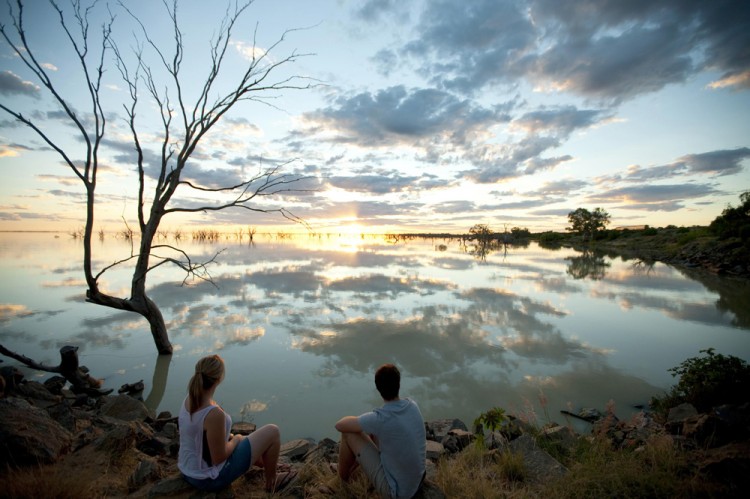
x,y
482,248
159,382
734,294
588,264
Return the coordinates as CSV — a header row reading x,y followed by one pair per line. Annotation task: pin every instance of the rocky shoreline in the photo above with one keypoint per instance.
x,y
126,450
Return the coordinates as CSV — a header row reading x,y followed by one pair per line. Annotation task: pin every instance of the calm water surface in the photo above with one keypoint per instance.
x,y
303,322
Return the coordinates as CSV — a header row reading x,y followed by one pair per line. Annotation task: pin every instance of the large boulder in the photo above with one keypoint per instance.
x,y
124,407
28,435
540,465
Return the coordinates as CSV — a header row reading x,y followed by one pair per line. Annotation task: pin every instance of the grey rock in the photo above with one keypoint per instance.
x,y
325,450
434,450
562,435
147,470
295,449
495,440
681,413
125,408
437,430
540,465
170,430
174,485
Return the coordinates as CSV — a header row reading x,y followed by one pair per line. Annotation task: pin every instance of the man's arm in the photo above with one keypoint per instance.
x,y
349,424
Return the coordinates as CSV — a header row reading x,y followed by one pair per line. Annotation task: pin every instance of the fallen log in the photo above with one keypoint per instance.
x,y
81,381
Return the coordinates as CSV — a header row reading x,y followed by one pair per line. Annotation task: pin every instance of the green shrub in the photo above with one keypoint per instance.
x,y
706,382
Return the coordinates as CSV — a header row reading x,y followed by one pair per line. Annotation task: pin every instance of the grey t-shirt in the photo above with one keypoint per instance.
x,y
399,428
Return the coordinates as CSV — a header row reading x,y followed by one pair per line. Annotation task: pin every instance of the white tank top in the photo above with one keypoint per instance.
x,y
190,459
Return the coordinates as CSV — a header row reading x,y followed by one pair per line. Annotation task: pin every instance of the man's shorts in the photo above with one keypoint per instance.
x,y
369,459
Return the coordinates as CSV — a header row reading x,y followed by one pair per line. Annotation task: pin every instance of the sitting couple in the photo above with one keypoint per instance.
x,y
388,443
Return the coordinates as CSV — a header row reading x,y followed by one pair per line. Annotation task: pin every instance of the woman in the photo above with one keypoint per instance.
x,y
210,456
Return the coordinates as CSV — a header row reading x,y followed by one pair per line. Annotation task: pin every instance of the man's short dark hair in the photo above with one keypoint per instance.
x,y
388,381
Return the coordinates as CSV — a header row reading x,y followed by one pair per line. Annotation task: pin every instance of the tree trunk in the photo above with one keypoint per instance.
x,y
158,327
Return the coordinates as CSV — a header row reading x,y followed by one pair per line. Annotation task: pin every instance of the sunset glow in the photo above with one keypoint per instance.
x,y
425,116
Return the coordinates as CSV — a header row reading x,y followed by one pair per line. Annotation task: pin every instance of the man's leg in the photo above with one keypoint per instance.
x,y
358,449
351,445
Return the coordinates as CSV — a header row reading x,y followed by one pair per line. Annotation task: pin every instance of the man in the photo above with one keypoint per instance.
x,y
389,442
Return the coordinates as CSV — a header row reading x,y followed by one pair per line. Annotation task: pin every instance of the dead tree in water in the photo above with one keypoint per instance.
x,y
69,368
164,161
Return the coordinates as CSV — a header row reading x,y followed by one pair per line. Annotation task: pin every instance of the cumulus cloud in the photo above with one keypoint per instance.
x,y
719,163
397,115
610,51
654,196
12,84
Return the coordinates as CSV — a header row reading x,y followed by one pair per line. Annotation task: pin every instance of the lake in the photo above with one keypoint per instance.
x,y
303,321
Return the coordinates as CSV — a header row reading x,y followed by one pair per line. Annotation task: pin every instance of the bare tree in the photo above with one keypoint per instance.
x,y
184,124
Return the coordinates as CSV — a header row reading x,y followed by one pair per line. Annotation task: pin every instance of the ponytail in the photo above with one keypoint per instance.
x,y
208,371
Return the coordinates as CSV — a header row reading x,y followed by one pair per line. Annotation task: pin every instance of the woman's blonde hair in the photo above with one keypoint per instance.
x,y
208,371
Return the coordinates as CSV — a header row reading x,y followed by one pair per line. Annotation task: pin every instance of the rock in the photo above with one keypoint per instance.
x,y
155,446
438,429
132,389
681,413
540,465
12,377
707,430
514,427
243,428
170,430
174,485
63,414
123,437
28,435
457,440
561,435
146,471
736,418
429,490
494,440
326,450
125,408
55,384
729,465
434,450
37,394
430,469
590,415
295,449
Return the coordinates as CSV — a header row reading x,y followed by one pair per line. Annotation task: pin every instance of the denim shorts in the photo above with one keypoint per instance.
x,y
234,467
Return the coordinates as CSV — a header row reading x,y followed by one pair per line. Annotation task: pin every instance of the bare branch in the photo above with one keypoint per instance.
x,y
29,362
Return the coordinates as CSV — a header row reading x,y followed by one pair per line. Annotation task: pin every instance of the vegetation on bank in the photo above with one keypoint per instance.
x,y
663,466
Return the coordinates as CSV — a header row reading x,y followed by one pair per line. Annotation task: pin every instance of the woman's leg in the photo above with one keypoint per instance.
x,y
266,443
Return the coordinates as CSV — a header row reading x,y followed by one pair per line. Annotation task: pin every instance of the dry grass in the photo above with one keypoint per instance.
x,y
48,482
656,470
474,473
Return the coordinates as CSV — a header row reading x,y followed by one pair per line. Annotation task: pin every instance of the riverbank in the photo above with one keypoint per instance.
x,y
59,444
693,247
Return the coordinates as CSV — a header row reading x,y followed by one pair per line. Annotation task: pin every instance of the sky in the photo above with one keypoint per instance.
x,y
420,116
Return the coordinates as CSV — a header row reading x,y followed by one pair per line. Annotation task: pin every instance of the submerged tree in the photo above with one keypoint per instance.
x,y
182,127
